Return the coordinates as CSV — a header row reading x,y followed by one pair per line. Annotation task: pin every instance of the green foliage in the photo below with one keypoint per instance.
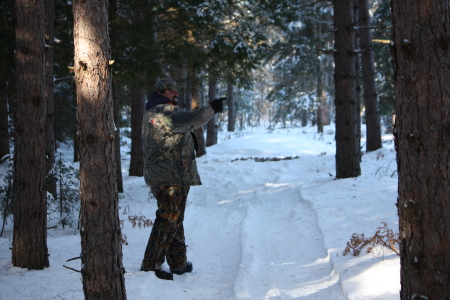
x,y
6,191
299,55
65,207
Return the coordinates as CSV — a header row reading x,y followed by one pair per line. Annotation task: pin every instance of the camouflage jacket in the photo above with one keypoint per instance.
x,y
169,156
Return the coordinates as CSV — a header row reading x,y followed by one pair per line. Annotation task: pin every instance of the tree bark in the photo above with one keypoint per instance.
x,y
101,255
421,46
370,96
348,135
211,126
137,114
30,211
231,108
49,16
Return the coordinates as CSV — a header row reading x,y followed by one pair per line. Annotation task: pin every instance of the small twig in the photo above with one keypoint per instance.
x,y
71,269
73,258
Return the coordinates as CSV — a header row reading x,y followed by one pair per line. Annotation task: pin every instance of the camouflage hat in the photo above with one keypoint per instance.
x,y
164,84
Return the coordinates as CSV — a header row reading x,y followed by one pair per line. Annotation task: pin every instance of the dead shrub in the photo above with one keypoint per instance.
x,y
140,221
384,236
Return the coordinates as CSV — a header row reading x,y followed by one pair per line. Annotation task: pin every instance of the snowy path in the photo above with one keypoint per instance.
x,y
247,239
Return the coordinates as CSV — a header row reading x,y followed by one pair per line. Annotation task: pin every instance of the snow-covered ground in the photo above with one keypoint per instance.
x,y
255,230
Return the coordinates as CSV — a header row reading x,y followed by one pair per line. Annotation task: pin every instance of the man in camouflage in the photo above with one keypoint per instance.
x,y
170,170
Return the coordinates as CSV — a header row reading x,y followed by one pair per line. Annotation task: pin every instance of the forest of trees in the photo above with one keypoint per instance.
x,y
80,72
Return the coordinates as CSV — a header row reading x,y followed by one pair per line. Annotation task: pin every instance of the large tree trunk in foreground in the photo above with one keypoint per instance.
x,y
102,271
422,140
30,205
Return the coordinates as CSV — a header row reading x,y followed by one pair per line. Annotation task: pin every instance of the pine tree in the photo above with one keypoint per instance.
x,y
381,21
50,148
30,214
348,133
368,78
102,272
422,107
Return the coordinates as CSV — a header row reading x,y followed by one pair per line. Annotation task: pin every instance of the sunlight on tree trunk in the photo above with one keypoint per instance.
x,y
102,271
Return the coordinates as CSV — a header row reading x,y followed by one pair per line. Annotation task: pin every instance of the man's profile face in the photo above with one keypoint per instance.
x,y
171,94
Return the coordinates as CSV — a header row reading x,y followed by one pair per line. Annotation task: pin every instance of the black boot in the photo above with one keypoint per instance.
x,y
160,273
187,269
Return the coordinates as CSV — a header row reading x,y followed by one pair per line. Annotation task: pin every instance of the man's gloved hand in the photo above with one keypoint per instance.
x,y
217,104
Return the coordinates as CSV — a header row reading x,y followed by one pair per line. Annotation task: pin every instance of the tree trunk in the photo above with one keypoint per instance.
x,y
320,96
196,104
231,108
422,141
326,114
319,82
101,255
211,126
30,211
112,20
188,90
137,114
49,11
304,117
118,157
373,130
76,146
4,135
348,135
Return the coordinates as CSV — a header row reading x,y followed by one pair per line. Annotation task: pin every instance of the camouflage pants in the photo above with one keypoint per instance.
x,y
167,237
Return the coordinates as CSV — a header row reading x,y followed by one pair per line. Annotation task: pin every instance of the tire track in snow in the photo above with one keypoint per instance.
x,y
214,237
251,236
282,249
